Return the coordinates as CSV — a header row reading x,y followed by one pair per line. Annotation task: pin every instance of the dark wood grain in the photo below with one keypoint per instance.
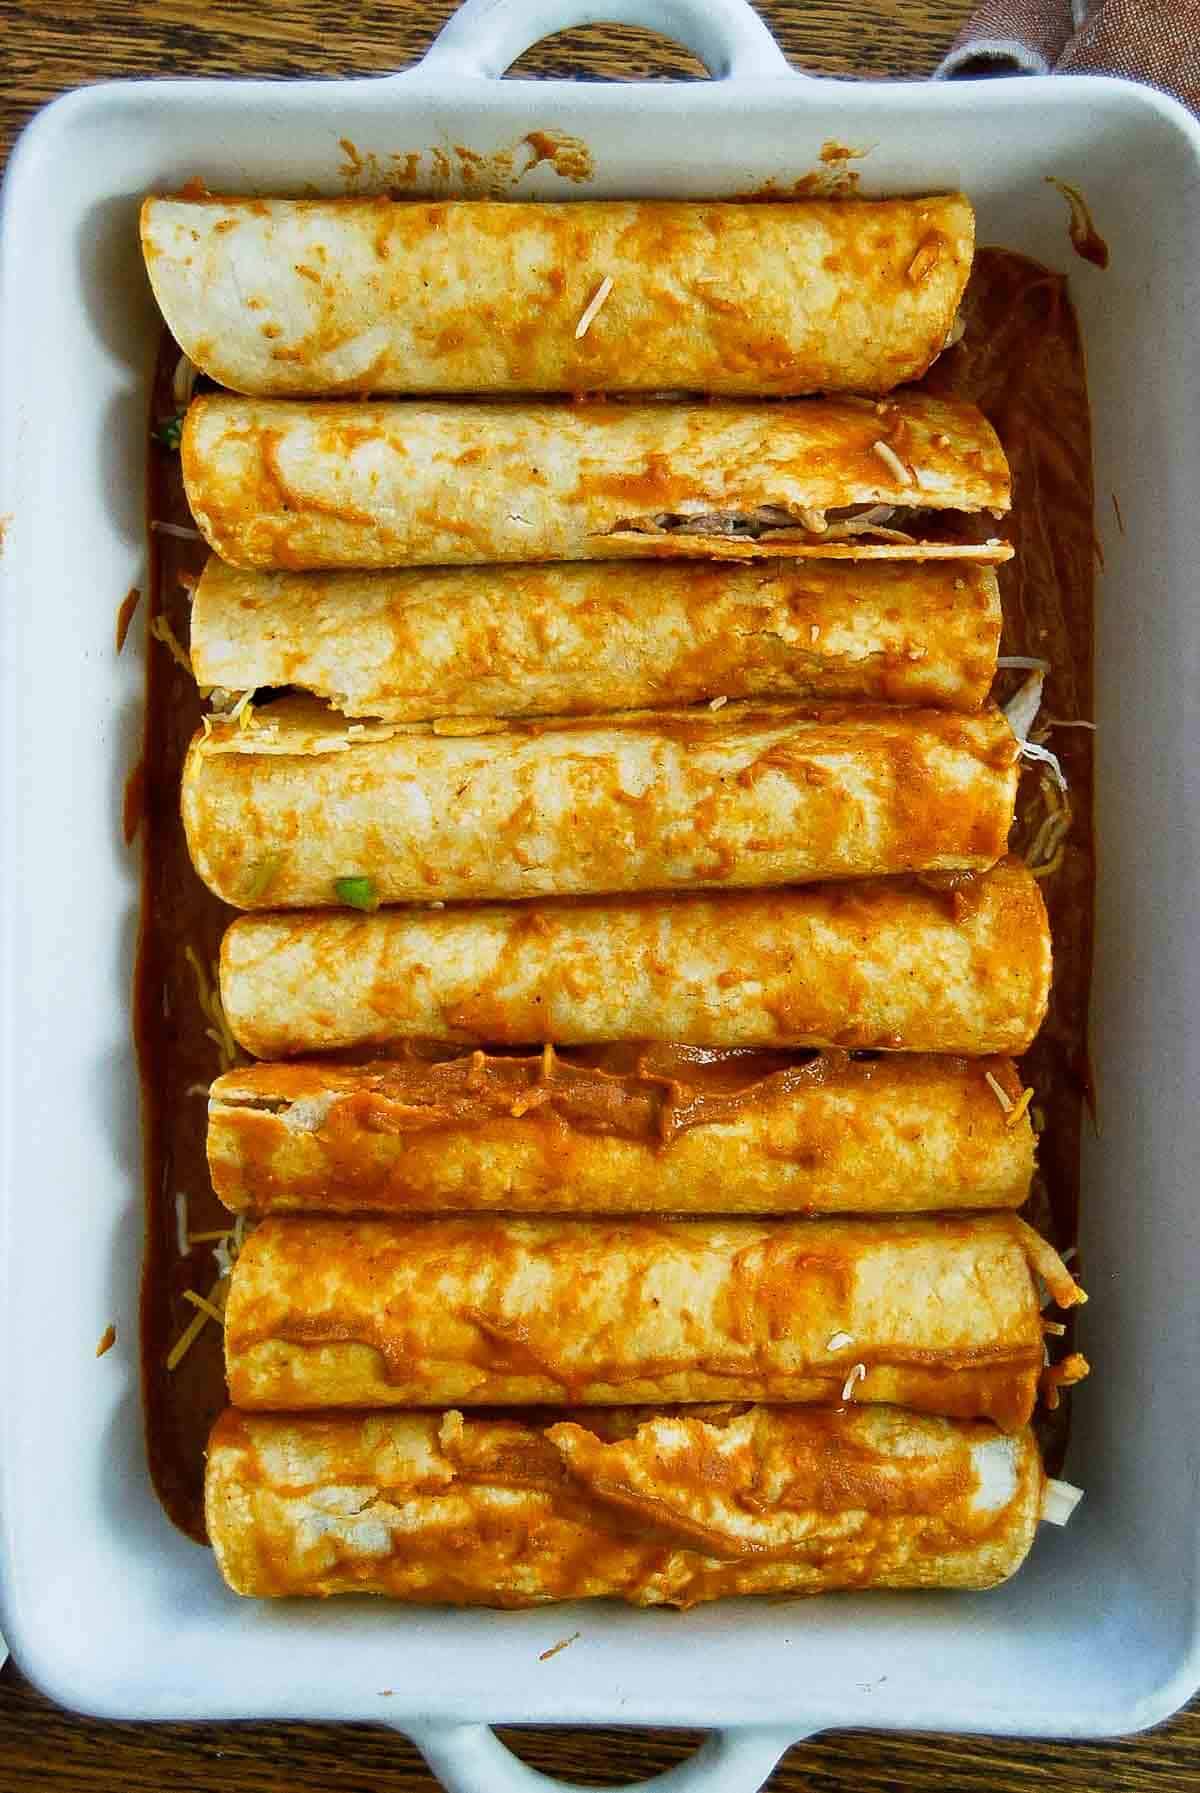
x,y
48,48
45,49
45,1748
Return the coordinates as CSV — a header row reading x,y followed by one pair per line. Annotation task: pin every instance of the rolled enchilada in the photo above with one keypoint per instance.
x,y
656,1508
888,964
938,1315
280,813
646,1130
292,297
414,644
293,484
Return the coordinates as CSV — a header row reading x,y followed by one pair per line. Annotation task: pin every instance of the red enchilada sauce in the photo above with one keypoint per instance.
x,y
1022,362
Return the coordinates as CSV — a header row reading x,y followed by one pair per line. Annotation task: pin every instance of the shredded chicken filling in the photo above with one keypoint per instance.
x,y
885,522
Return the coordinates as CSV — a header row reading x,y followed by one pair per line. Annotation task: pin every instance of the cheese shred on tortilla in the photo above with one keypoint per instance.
x,y
999,1092
857,1374
894,464
594,303
1015,1113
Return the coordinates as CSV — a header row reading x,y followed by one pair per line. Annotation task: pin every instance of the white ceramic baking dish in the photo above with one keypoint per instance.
x,y
106,1606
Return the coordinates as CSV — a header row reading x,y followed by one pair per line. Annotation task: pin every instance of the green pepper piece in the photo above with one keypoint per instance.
x,y
358,892
169,434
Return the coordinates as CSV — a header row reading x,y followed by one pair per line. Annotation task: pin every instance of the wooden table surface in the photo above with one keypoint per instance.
x,y
45,50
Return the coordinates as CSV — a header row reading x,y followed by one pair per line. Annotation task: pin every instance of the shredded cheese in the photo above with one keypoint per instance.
x,y
1052,865
226,1245
1021,710
1045,853
1054,823
593,306
925,260
185,1341
998,1090
1059,1500
893,463
162,631
243,710
857,1374
192,1331
183,381
218,1029
718,703
837,1341
1056,1328
1015,1113
1033,750
205,1306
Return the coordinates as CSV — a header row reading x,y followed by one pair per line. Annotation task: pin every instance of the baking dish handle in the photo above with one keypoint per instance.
x,y
485,36
472,1759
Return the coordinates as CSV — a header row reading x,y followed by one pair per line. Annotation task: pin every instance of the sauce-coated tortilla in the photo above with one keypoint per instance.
x,y
289,297
559,640
649,1130
292,484
656,1508
940,1315
878,964
278,814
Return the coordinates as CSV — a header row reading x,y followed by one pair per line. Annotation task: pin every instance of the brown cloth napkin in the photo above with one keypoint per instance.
x,y
1156,41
